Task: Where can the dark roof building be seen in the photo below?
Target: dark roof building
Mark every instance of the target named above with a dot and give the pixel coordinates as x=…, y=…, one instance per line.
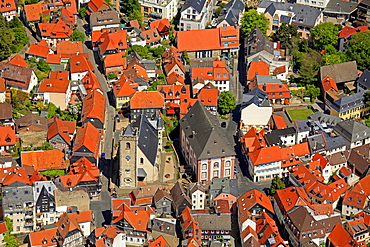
x=354, y=133
x=231, y=13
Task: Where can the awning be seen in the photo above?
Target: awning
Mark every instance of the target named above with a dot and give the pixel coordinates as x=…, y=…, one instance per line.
x=350, y=85
x=141, y=173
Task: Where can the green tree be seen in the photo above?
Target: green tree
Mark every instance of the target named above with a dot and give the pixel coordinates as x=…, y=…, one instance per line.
x=15, y=23
x=6, y=39
x=325, y=34
x=252, y=19
x=276, y=184
x=309, y=66
x=43, y=66
x=132, y=9
x=52, y=110
x=157, y=51
x=155, y=84
x=312, y=92
x=82, y=12
x=226, y=102
x=53, y=173
x=77, y=36
x=9, y=239
x=219, y=9
x=186, y=57
x=287, y=35
x=358, y=49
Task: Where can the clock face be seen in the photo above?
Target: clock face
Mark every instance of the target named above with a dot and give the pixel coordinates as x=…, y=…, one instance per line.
x=128, y=157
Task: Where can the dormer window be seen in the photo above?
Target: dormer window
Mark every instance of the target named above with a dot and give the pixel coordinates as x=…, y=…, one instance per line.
x=120, y=44
x=147, y=37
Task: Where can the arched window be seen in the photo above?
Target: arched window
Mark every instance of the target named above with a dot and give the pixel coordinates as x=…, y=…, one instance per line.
x=128, y=145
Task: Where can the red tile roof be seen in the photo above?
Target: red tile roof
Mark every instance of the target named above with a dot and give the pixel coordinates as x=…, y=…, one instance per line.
x=265, y=155
x=328, y=83
x=82, y=216
x=279, y=121
x=208, y=95
x=175, y=78
x=151, y=35
x=33, y=11
x=158, y=242
x=44, y=237
x=134, y=23
x=65, y=225
x=174, y=92
x=44, y=159
x=250, y=199
x=257, y=68
x=115, y=60
x=2, y=85
x=190, y=226
x=89, y=137
x=280, y=70
x=59, y=85
x=7, y=136
x=339, y=237
x=137, y=218
x=38, y=50
x=59, y=30
x=79, y=64
x=355, y=199
x=91, y=82
x=93, y=106
x=14, y=174
x=349, y=31
x=96, y=5
x=70, y=47
x=124, y=87
x=163, y=26
x=3, y=227
x=207, y=39
x=148, y=99
x=253, y=140
x=72, y=180
x=18, y=60
x=276, y=91
x=61, y=128
x=7, y=6
x=113, y=41
x=363, y=186
x=291, y=197
x=218, y=72
x=54, y=58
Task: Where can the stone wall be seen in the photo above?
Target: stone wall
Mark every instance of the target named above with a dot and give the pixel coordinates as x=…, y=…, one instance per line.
x=78, y=198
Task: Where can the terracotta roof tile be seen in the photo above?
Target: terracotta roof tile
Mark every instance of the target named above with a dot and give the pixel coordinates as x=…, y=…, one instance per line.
x=279, y=121
x=175, y=78
x=7, y=136
x=113, y=41
x=89, y=137
x=14, y=174
x=38, y=50
x=2, y=85
x=33, y=11
x=257, y=68
x=280, y=70
x=70, y=47
x=18, y=60
x=115, y=60
x=93, y=106
x=339, y=237
x=66, y=224
x=151, y=35
x=149, y=99
x=44, y=237
x=329, y=83
x=208, y=95
x=124, y=87
x=49, y=85
x=158, y=242
x=349, y=31
x=59, y=30
x=44, y=159
x=7, y=6
x=79, y=64
x=58, y=127
x=91, y=82
x=82, y=216
x=3, y=227
x=138, y=219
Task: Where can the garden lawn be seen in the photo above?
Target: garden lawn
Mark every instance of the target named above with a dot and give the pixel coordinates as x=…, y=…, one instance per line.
x=299, y=114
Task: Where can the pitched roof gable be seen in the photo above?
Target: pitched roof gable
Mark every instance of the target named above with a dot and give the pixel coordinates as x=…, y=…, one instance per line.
x=93, y=106
x=89, y=137
x=44, y=159
x=148, y=99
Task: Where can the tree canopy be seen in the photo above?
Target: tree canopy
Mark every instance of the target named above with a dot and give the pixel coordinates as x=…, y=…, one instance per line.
x=12, y=37
x=77, y=36
x=276, y=184
x=358, y=49
x=252, y=19
x=226, y=102
x=325, y=34
x=132, y=9
x=309, y=64
x=287, y=35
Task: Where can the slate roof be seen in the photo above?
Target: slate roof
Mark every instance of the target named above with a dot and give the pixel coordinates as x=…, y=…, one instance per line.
x=325, y=118
x=196, y=4
x=223, y=185
x=256, y=96
x=364, y=79
x=303, y=15
x=148, y=139
x=352, y=130
x=98, y=18
x=339, y=6
x=231, y=12
x=178, y=195
x=348, y=102
x=204, y=134
x=273, y=137
x=342, y=72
